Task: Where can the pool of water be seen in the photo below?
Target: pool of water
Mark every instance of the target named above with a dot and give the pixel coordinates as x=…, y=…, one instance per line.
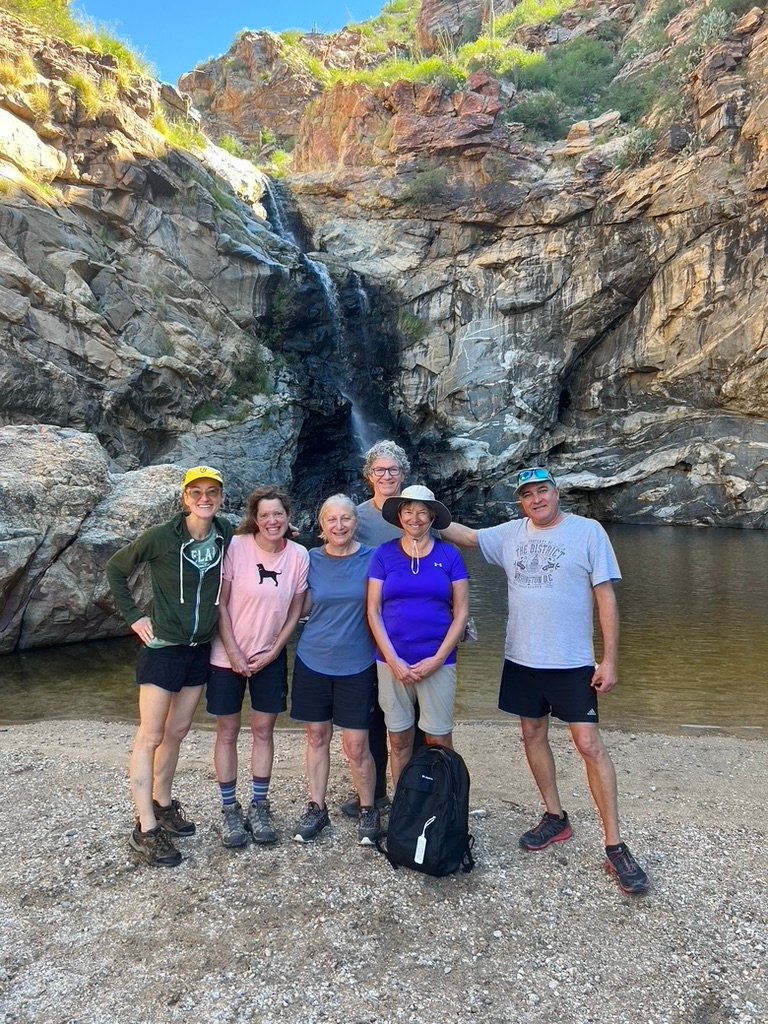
x=693, y=654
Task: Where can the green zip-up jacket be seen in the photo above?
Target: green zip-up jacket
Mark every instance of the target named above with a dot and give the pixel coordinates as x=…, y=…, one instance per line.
x=184, y=601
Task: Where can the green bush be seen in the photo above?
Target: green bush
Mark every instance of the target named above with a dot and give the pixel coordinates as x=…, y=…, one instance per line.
x=231, y=145
x=530, y=12
x=498, y=58
x=426, y=186
x=426, y=72
x=56, y=18
x=637, y=149
x=577, y=71
x=542, y=114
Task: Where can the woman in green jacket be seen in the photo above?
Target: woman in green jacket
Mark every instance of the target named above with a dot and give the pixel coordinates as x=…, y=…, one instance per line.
x=185, y=557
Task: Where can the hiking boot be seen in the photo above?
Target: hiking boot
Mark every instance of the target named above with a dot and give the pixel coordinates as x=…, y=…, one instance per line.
x=550, y=829
x=233, y=832
x=368, y=826
x=172, y=819
x=351, y=809
x=630, y=876
x=258, y=824
x=311, y=823
x=155, y=847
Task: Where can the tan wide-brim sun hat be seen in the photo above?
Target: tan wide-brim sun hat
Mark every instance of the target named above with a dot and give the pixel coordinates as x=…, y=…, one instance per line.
x=416, y=492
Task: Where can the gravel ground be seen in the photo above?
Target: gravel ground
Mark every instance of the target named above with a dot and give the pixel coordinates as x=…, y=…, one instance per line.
x=328, y=932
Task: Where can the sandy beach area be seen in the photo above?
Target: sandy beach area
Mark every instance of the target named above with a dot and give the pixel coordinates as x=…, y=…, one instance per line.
x=328, y=932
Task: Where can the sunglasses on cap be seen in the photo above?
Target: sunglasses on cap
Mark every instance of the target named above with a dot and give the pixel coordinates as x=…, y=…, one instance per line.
x=527, y=476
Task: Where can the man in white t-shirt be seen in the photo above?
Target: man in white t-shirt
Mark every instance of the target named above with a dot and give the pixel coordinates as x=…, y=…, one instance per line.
x=559, y=567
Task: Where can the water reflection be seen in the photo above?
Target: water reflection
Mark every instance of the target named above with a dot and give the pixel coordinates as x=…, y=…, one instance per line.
x=694, y=644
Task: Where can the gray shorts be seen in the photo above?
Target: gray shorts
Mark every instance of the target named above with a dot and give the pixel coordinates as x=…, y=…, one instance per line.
x=435, y=695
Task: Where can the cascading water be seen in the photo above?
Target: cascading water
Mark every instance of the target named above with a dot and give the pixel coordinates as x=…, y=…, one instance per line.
x=348, y=326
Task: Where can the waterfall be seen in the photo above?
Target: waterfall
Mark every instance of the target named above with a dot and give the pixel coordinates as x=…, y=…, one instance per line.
x=348, y=323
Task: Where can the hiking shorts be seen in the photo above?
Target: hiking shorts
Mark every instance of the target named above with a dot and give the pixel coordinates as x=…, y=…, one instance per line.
x=347, y=701
x=268, y=689
x=435, y=695
x=174, y=667
x=536, y=692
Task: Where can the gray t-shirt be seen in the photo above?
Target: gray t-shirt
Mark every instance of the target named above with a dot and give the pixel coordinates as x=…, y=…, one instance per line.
x=550, y=576
x=372, y=528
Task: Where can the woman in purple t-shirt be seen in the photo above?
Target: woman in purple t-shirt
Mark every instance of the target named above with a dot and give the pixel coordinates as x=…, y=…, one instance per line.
x=418, y=603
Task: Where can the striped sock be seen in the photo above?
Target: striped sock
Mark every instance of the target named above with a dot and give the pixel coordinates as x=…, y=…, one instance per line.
x=227, y=790
x=259, y=789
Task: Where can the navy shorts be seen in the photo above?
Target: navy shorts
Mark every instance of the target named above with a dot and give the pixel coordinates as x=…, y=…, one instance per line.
x=535, y=692
x=268, y=689
x=347, y=701
x=173, y=668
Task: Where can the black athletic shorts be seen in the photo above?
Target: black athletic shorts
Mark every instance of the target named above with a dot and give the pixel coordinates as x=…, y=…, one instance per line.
x=173, y=667
x=347, y=701
x=565, y=693
x=268, y=689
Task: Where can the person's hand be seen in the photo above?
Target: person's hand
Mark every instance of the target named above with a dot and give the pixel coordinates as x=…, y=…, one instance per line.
x=143, y=629
x=604, y=678
x=239, y=662
x=258, y=661
x=424, y=668
x=403, y=672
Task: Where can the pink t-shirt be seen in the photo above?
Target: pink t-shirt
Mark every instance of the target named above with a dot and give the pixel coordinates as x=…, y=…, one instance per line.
x=262, y=588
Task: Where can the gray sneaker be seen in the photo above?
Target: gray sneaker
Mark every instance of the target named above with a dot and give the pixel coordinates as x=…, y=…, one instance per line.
x=233, y=832
x=172, y=819
x=368, y=826
x=311, y=823
x=258, y=824
x=155, y=847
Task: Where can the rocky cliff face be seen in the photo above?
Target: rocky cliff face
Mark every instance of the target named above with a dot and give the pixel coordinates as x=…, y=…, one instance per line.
x=610, y=323
x=489, y=300
x=150, y=314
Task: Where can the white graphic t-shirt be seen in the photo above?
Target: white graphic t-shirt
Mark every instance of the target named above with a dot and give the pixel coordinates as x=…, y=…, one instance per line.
x=550, y=576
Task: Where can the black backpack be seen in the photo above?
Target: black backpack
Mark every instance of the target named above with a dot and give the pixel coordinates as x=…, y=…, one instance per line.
x=429, y=820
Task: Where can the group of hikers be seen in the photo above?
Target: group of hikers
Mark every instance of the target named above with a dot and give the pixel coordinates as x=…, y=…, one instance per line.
x=385, y=603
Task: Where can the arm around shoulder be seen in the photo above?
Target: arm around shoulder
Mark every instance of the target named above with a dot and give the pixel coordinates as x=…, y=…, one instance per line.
x=460, y=535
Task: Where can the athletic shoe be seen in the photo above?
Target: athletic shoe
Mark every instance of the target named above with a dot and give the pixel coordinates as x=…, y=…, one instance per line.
x=368, y=827
x=155, y=847
x=232, y=826
x=630, y=876
x=312, y=823
x=550, y=829
x=351, y=809
x=258, y=824
x=172, y=819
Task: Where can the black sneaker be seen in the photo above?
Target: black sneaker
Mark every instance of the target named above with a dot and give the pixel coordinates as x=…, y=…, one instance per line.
x=172, y=819
x=155, y=847
x=351, y=809
x=630, y=876
x=311, y=823
x=550, y=829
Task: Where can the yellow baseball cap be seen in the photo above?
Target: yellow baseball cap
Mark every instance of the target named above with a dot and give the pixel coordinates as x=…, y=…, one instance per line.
x=200, y=472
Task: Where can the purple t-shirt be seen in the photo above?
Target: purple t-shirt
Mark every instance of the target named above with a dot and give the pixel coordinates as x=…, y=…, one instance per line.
x=416, y=607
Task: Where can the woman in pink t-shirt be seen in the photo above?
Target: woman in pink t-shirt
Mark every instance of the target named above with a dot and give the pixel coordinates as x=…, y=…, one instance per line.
x=265, y=577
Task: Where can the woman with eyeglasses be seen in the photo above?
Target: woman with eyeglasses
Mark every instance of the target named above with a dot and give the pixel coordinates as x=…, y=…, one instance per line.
x=265, y=578
x=185, y=557
x=385, y=470
x=418, y=605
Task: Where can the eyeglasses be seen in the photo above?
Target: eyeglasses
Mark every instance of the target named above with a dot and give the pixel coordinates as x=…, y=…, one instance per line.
x=526, y=475
x=381, y=471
